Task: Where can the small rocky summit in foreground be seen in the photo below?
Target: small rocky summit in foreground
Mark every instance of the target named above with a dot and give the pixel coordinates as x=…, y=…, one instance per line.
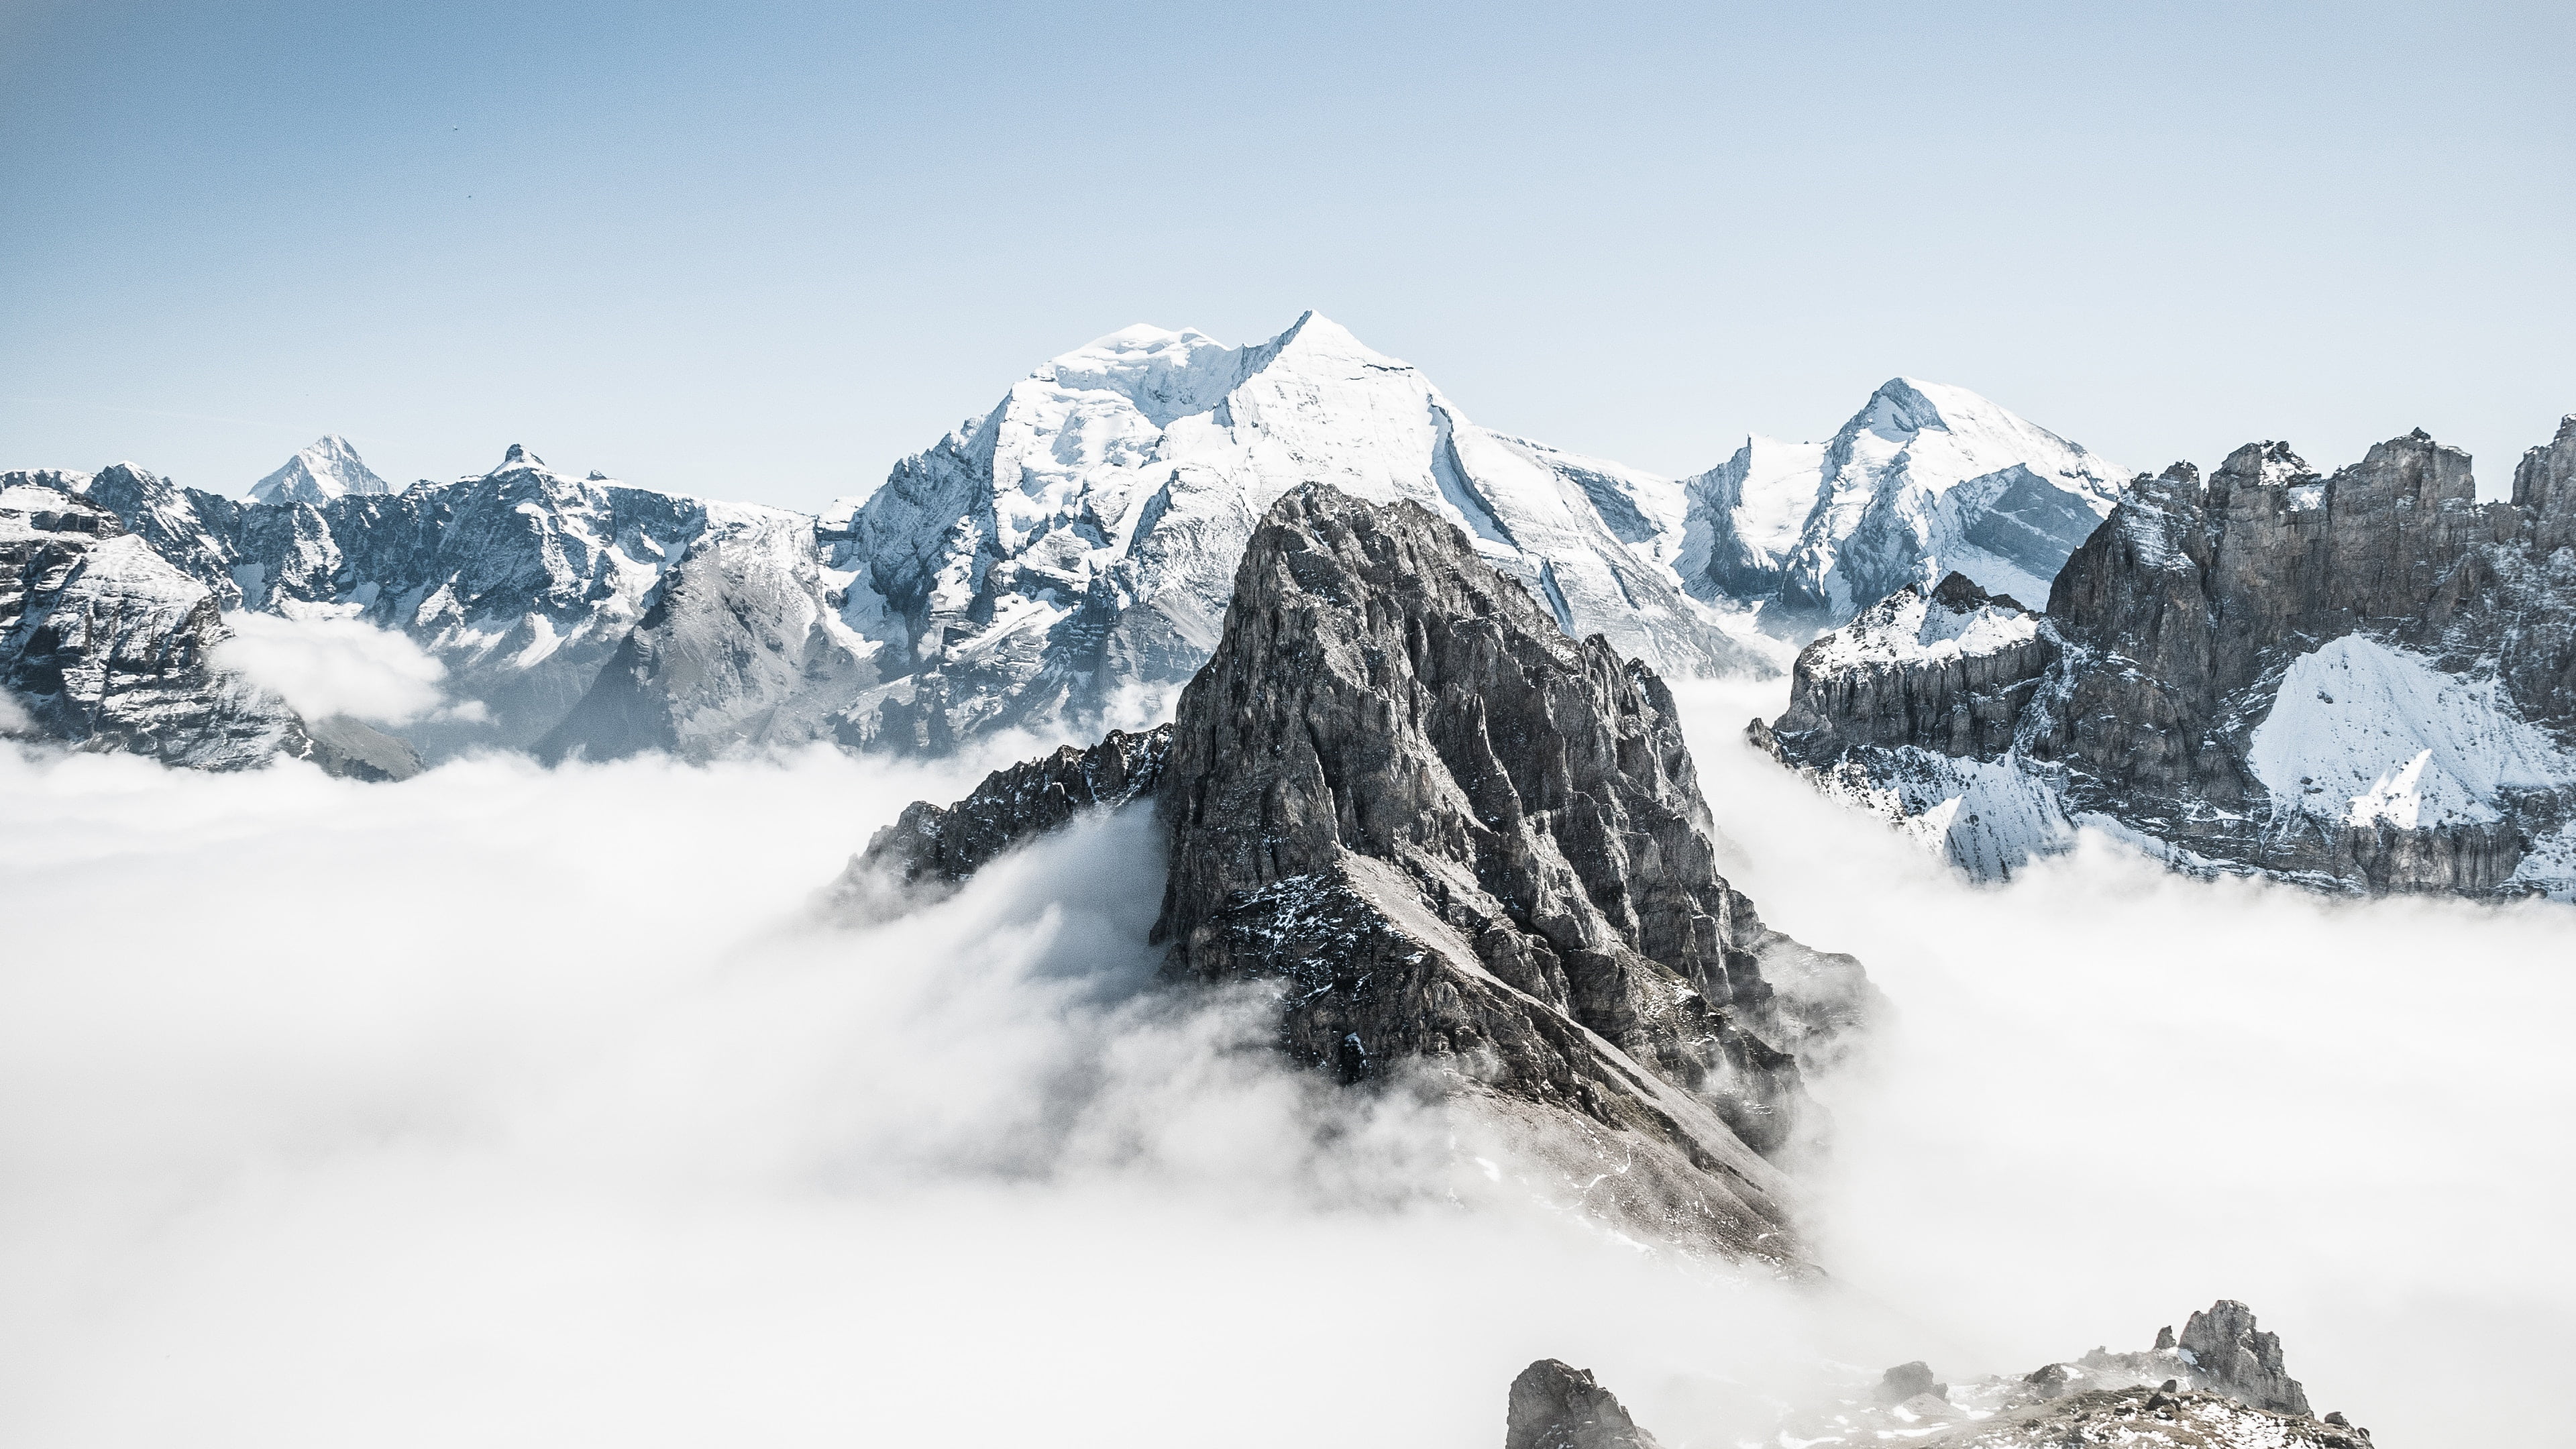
x=1471, y=857
x=1557, y=1406
x=2364, y=682
x=2221, y=1386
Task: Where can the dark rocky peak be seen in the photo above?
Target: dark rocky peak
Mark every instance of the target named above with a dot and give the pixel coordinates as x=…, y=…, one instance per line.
x=2229, y=1356
x=1557, y=1406
x=2545, y=484
x=517, y=458
x=1390, y=724
x=1471, y=856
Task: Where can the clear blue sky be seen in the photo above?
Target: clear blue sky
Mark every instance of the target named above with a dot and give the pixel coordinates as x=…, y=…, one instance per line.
x=761, y=251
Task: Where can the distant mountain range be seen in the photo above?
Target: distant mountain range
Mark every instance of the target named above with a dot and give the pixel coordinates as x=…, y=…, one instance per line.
x=1054, y=565
x=1061, y=564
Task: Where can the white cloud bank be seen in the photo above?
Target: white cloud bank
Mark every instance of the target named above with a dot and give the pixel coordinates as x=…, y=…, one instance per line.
x=506, y=1106
x=2114, y=1093
x=326, y=667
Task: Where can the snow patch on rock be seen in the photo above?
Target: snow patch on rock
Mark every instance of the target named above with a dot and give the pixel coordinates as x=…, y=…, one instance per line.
x=2362, y=734
x=1910, y=627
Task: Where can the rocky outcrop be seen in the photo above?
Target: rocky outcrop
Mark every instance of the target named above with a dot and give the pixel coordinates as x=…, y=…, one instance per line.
x=2229, y=1356
x=106, y=646
x=2230, y=1390
x=1910, y=1381
x=1388, y=717
x=1471, y=857
x=2364, y=682
x=1554, y=1405
x=935, y=845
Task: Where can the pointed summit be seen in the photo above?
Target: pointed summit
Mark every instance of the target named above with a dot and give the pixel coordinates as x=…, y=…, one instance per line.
x=1315, y=335
x=326, y=469
x=517, y=458
x=1925, y=479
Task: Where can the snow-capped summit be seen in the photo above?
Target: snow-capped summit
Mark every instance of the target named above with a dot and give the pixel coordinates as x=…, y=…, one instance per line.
x=1083, y=535
x=328, y=468
x=1925, y=480
x=517, y=458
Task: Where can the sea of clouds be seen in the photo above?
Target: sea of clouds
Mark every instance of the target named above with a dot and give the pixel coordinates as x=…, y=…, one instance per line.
x=514, y=1106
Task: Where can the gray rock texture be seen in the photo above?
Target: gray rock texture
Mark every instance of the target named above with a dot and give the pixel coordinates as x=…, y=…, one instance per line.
x=1556, y=1406
x=932, y=845
x=2230, y=1356
x=1471, y=857
x=2177, y=631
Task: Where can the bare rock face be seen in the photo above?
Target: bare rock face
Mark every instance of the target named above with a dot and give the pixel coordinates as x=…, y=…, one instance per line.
x=1557, y=1406
x=2363, y=682
x=2230, y=1357
x=934, y=845
x=1469, y=847
x=106, y=646
x=1471, y=855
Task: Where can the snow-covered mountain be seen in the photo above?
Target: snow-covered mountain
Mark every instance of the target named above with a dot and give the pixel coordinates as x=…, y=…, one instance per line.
x=526, y=583
x=1924, y=481
x=107, y=644
x=329, y=468
x=1080, y=540
x=1061, y=563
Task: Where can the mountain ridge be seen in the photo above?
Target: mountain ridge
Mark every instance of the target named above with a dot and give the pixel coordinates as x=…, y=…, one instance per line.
x=1057, y=565
x=2363, y=681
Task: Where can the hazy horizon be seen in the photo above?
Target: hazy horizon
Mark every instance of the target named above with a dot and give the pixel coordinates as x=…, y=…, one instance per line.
x=765, y=255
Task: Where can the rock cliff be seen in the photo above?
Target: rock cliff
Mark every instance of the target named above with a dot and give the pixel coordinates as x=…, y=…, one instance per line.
x=1554, y=1405
x=2365, y=681
x=1470, y=856
x=105, y=645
